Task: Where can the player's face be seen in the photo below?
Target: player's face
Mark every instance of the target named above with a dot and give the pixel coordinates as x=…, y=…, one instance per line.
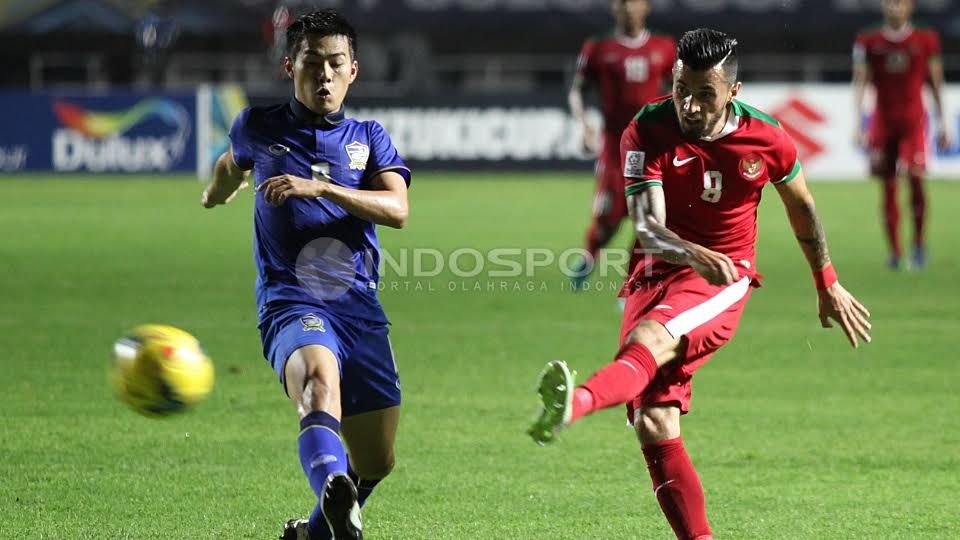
x=322, y=72
x=630, y=14
x=701, y=99
x=897, y=12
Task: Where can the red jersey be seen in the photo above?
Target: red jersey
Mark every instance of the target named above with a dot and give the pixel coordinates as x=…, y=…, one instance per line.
x=711, y=187
x=899, y=65
x=629, y=72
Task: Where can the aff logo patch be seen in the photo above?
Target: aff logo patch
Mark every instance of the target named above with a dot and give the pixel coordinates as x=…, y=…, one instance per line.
x=751, y=167
x=312, y=322
x=633, y=164
x=358, y=154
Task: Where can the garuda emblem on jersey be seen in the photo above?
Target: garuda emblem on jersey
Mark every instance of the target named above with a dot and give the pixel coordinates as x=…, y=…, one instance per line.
x=751, y=167
x=358, y=154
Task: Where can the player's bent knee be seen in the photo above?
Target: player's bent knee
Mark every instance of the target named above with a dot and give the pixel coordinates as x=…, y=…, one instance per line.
x=313, y=380
x=377, y=470
x=655, y=337
x=319, y=389
x=373, y=467
x=313, y=361
x=657, y=423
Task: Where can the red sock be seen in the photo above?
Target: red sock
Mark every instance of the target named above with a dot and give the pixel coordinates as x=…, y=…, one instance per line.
x=597, y=237
x=891, y=214
x=918, y=201
x=678, y=489
x=617, y=382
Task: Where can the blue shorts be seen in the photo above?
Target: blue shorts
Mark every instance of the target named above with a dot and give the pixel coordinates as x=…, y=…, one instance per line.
x=368, y=373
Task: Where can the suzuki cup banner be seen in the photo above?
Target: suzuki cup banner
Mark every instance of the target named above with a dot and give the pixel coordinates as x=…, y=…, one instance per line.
x=113, y=133
x=819, y=118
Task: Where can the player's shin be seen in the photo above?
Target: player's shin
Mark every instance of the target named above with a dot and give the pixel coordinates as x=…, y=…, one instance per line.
x=616, y=383
x=918, y=203
x=322, y=455
x=678, y=489
x=891, y=214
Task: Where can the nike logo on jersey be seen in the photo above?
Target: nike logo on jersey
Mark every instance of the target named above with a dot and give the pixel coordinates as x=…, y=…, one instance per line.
x=278, y=149
x=678, y=162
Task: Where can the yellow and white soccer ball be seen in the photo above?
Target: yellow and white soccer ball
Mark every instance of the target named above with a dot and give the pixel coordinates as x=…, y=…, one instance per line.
x=160, y=370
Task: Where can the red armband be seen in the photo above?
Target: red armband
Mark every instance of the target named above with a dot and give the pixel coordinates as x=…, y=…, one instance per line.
x=825, y=277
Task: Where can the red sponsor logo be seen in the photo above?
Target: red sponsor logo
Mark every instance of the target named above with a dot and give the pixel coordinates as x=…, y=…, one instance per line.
x=798, y=119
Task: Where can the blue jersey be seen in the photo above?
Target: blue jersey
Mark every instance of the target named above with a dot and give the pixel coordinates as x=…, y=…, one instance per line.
x=312, y=250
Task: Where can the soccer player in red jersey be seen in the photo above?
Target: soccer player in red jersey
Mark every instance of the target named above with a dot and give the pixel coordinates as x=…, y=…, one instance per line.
x=897, y=58
x=694, y=165
x=629, y=67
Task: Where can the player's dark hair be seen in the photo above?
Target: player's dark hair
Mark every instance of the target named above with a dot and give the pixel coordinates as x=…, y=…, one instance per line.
x=704, y=48
x=326, y=22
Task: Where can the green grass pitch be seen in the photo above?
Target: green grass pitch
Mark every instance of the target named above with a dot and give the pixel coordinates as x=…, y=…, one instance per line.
x=795, y=435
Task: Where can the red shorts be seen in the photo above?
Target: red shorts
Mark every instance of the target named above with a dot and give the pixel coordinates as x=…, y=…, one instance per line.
x=893, y=143
x=609, y=200
x=705, y=315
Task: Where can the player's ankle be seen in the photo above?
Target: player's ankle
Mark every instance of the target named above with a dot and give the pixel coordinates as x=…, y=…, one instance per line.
x=582, y=403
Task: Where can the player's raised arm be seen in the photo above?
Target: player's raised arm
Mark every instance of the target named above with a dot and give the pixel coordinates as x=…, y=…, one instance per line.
x=834, y=301
x=575, y=98
x=228, y=180
x=936, y=86
x=861, y=76
x=578, y=110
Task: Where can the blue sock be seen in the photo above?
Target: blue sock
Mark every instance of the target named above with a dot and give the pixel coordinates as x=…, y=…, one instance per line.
x=365, y=486
x=321, y=455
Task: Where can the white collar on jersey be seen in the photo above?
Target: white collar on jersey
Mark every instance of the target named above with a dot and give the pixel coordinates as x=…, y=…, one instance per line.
x=633, y=42
x=733, y=122
x=898, y=35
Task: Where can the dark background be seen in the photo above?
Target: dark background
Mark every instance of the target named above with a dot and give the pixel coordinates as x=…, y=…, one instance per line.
x=417, y=47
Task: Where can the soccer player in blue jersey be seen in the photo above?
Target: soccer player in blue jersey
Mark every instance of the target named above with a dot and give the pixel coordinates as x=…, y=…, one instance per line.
x=323, y=181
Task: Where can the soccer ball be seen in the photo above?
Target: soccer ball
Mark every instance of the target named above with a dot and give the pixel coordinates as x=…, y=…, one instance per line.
x=160, y=370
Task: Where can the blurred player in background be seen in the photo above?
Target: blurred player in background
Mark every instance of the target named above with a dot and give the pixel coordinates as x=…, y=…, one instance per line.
x=273, y=29
x=323, y=181
x=155, y=35
x=694, y=166
x=629, y=67
x=896, y=59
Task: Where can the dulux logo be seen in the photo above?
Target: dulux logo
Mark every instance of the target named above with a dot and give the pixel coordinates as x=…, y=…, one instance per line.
x=96, y=141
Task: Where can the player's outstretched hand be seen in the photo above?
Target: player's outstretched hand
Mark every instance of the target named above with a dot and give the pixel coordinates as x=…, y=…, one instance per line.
x=839, y=305
x=591, y=141
x=859, y=138
x=277, y=189
x=943, y=139
x=716, y=268
x=212, y=197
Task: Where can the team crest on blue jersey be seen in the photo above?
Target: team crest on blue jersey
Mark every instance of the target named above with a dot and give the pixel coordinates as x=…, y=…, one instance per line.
x=358, y=153
x=312, y=322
